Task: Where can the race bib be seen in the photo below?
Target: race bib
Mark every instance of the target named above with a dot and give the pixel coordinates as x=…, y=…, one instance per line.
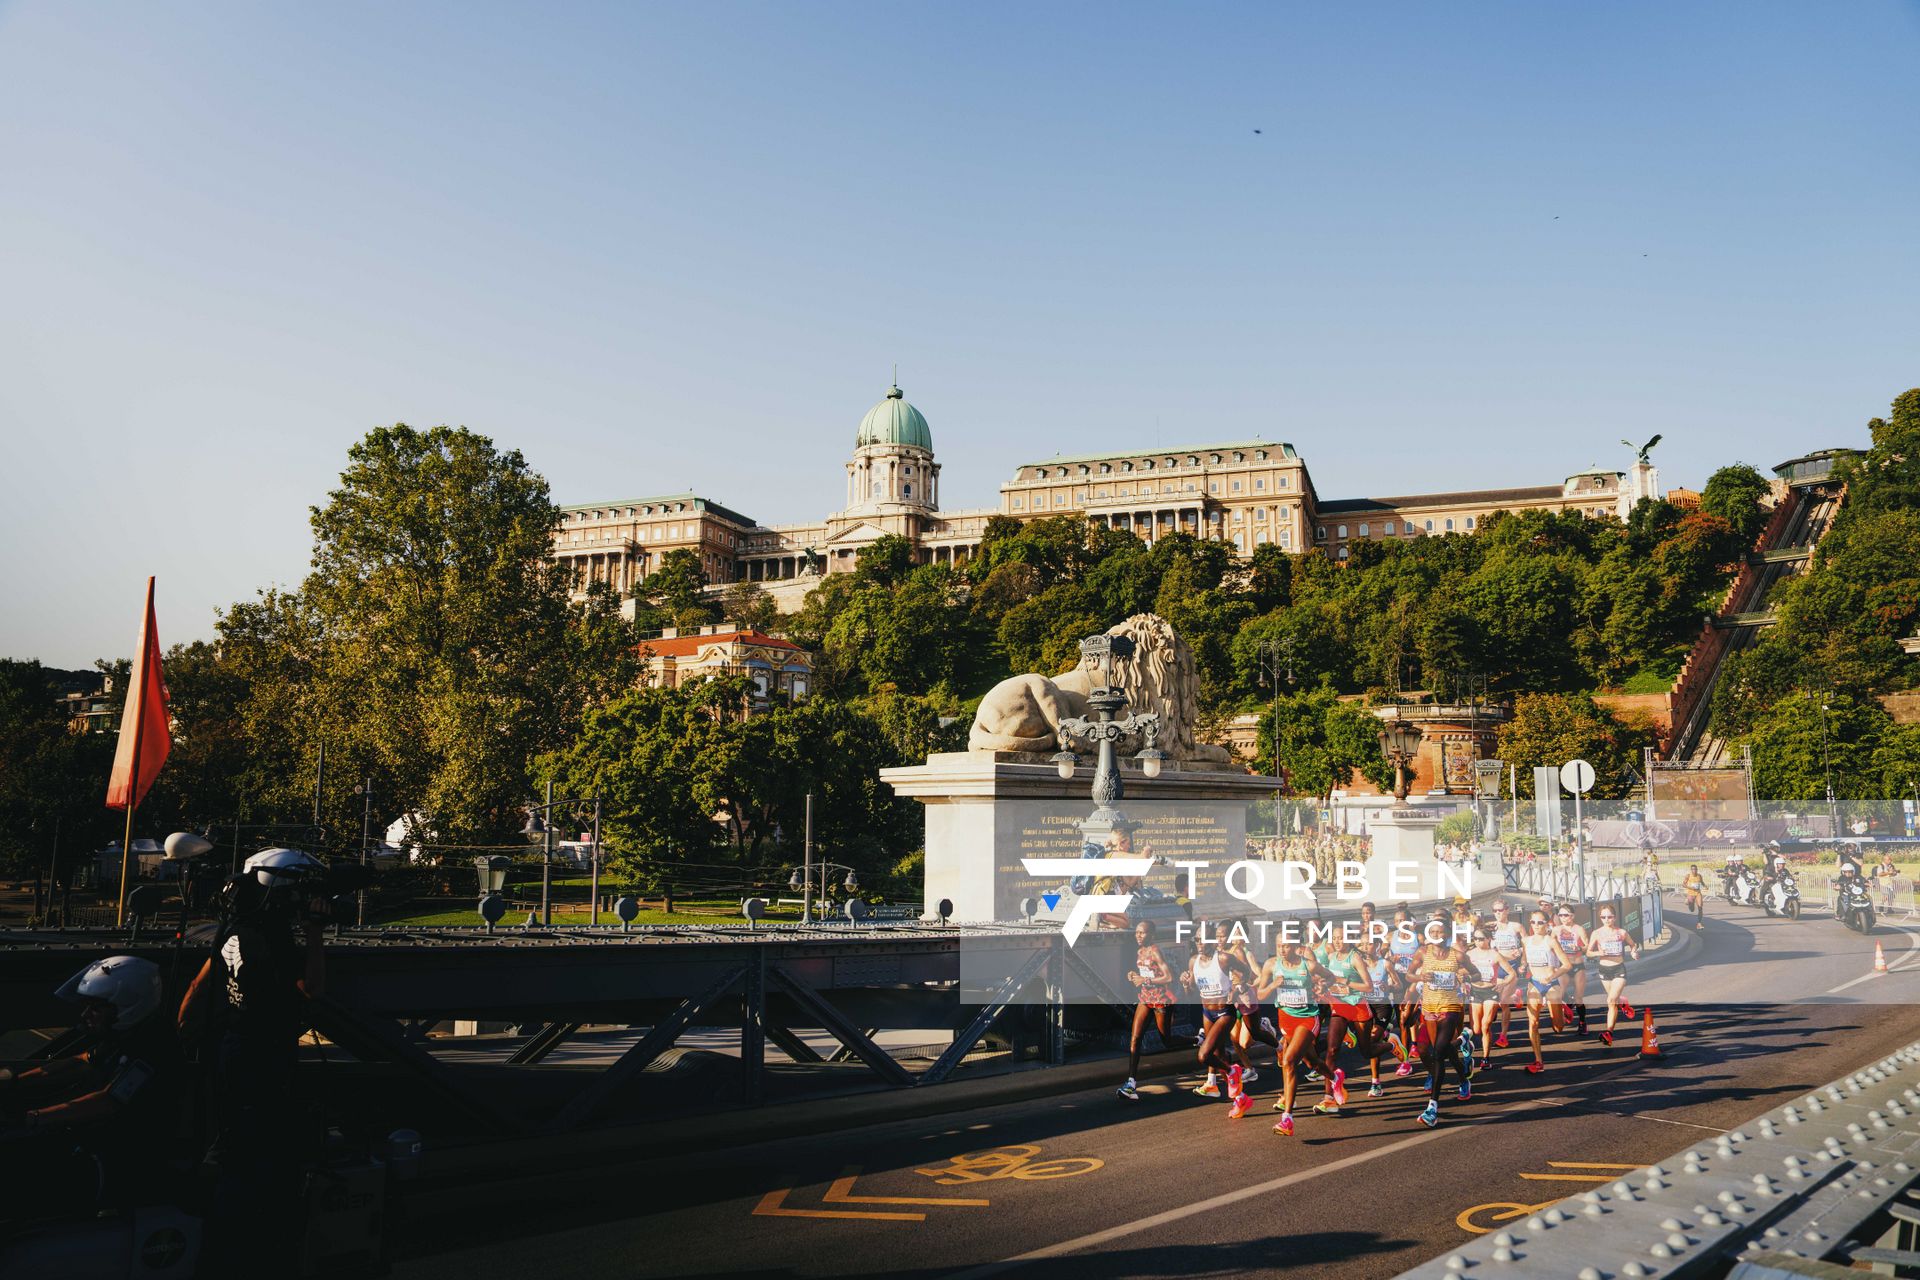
x=1292, y=997
x=1442, y=981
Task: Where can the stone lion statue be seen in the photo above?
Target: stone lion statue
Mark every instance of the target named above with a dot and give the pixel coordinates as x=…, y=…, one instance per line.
x=1023, y=713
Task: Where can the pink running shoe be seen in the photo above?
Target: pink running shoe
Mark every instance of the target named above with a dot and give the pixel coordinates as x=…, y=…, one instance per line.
x=1500, y=1041
x=1285, y=1127
x=1233, y=1081
x=1337, y=1089
x=1241, y=1105
x=1405, y=1069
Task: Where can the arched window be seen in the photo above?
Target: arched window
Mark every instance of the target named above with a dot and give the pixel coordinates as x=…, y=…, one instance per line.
x=906, y=490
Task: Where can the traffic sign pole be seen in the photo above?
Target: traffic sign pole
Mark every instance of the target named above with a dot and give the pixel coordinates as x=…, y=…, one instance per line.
x=1577, y=777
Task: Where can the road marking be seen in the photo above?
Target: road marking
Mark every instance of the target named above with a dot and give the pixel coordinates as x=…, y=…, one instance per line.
x=1008, y=1162
x=771, y=1206
x=1569, y=1177
x=1587, y=1164
x=1685, y=1124
x=1913, y=942
x=841, y=1192
x=1464, y=1219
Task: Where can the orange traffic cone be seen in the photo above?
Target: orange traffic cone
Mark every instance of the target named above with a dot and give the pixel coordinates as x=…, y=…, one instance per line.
x=1649, y=1038
x=1879, y=958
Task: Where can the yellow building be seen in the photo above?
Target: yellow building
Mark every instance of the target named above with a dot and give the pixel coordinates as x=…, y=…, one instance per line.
x=1249, y=493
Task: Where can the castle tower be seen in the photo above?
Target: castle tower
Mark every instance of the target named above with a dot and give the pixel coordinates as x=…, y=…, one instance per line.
x=892, y=472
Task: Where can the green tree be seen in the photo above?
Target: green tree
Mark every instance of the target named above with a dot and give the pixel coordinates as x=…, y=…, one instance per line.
x=1810, y=736
x=1553, y=728
x=52, y=782
x=1734, y=494
x=434, y=644
x=1887, y=477
x=677, y=590
x=886, y=560
x=749, y=606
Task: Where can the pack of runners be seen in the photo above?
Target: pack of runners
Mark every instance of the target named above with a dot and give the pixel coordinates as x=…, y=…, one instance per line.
x=1436, y=997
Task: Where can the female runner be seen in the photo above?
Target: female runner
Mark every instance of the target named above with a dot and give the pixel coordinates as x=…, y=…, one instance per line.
x=1444, y=972
x=1153, y=977
x=1572, y=937
x=1546, y=965
x=1506, y=935
x=1287, y=979
x=1207, y=975
x=1611, y=946
x=1347, y=1010
x=1402, y=945
x=1491, y=977
x=1696, y=886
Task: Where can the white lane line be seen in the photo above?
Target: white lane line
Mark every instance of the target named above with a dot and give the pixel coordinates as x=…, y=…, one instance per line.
x=1906, y=959
x=1161, y=1219
x=1685, y=1124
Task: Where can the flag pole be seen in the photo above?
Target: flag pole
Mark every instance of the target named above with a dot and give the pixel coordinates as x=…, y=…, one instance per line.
x=133, y=794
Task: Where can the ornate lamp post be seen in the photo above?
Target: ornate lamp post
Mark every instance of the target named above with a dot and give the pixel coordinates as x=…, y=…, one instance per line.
x=1275, y=658
x=1400, y=743
x=1107, y=700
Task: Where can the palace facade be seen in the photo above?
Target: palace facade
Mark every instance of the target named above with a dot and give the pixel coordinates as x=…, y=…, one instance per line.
x=1250, y=493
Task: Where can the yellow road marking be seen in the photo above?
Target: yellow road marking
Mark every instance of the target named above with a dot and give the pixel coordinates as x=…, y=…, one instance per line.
x=1587, y=1164
x=1567, y=1177
x=771, y=1206
x=1465, y=1219
x=841, y=1192
x=1008, y=1162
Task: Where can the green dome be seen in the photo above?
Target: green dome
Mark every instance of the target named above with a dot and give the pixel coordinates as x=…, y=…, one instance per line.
x=894, y=421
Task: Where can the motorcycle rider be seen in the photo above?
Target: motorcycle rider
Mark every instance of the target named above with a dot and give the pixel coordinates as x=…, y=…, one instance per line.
x=246, y=1011
x=92, y=1119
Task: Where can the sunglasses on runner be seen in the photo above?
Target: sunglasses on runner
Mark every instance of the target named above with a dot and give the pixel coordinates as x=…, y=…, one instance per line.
x=1538, y=920
x=1566, y=915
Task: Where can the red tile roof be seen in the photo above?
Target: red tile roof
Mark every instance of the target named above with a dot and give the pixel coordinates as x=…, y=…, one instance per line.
x=687, y=646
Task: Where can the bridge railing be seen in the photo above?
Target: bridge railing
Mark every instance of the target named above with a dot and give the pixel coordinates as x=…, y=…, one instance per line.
x=1818, y=1176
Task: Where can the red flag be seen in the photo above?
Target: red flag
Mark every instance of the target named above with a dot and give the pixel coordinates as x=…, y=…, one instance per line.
x=145, y=737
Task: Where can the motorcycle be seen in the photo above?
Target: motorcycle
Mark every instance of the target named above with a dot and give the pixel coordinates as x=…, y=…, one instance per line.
x=1782, y=897
x=1743, y=889
x=1853, y=904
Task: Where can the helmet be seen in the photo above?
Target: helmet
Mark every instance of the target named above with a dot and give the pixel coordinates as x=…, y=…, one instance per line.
x=131, y=985
x=276, y=867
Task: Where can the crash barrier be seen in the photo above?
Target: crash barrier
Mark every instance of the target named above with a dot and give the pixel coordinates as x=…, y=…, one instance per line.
x=1569, y=884
x=1814, y=1179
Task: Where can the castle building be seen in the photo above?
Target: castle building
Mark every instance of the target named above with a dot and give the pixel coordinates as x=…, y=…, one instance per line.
x=1249, y=493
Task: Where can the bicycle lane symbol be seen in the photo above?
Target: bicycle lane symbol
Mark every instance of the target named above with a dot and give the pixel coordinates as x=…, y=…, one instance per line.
x=1496, y=1212
x=1014, y=1162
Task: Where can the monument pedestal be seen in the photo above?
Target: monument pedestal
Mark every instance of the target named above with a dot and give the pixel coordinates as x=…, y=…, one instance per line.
x=1403, y=839
x=987, y=811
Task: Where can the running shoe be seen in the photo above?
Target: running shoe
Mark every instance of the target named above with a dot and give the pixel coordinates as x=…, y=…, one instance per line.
x=1285, y=1127
x=1208, y=1090
x=1248, y=1076
x=1606, y=1038
x=1337, y=1090
x=1375, y=1091
x=1266, y=1025
x=1352, y=1042
x=1129, y=1091
x=1626, y=1009
x=1326, y=1107
x=1405, y=1069
x=1280, y=1104
x=1536, y=1067
x=1314, y=1077
x=1465, y=1091
x=1431, y=1116
x=1394, y=1043
x=1241, y=1105
x=1233, y=1081
x=1500, y=1041
x=1427, y=1084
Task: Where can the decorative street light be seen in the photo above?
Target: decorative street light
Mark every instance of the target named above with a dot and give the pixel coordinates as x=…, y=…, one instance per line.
x=1400, y=743
x=540, y=823
x=1826, y=764
x=1275, y=657
x=1107, y=700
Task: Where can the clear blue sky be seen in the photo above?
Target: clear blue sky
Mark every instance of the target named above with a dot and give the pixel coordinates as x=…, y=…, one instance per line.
x=665, y=248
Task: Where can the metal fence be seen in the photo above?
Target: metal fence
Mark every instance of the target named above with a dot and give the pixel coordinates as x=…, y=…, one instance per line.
x=1569, y=883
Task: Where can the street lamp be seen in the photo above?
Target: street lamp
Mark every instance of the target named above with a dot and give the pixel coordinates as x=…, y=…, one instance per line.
x=1400, y=743
x=1107, y=700
x=1826, y=764
x=1274, y=657
x=540, y=823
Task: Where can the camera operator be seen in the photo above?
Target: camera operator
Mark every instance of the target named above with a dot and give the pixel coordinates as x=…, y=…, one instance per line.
x=90, y=1120
x=246, y=1012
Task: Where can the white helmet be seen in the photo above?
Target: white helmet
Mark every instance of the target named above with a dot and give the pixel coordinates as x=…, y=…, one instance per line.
x=273, y=867
x=131, y=985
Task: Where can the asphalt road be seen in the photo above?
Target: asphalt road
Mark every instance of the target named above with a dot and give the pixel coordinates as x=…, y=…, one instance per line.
x=1088, y=1185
